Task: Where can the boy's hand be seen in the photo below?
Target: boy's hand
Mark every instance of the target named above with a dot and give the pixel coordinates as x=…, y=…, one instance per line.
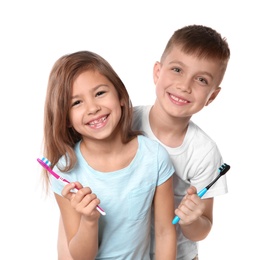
x=83, y=200
x=190, y=208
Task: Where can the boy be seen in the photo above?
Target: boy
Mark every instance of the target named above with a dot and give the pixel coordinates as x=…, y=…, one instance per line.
x=187, y=78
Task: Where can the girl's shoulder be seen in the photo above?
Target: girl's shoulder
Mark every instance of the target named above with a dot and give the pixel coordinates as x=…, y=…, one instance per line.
x=143, y=139
x=148, y=145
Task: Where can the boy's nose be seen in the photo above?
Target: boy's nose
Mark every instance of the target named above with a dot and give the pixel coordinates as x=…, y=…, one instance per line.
x=184, y=85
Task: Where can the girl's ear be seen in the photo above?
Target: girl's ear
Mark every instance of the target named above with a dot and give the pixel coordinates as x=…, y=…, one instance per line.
x=156, y=71
x=213, y=96
x=122, y=103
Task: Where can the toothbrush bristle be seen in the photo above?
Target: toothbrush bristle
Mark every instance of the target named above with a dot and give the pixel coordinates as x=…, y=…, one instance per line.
x=224, y=169
x=46, y=161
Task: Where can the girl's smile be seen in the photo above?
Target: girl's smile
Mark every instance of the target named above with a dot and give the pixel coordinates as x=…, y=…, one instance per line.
x=98, y=123
x=96, y=109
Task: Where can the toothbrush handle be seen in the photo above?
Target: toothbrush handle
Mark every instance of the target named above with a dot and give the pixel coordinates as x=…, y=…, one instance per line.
x=175, y=220
x=200, y=194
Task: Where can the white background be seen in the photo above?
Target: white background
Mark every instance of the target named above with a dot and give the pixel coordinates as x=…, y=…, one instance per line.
x=131, y=35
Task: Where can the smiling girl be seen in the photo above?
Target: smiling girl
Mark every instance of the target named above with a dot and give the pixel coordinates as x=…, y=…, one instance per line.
x=89, y=140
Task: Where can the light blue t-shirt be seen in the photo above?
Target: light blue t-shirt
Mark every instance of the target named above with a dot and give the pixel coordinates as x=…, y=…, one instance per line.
x=126, y=196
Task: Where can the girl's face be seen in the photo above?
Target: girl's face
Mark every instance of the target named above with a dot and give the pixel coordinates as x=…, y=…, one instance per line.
x=95, y=106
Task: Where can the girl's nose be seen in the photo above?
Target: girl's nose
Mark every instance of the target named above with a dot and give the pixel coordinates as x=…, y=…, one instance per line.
x=93, y=109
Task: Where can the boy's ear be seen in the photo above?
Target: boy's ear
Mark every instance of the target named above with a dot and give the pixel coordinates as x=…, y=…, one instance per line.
x=156, y=71
x=213, y=96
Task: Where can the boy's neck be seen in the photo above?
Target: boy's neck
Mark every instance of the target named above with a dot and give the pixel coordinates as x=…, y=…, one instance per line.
x=169, y=130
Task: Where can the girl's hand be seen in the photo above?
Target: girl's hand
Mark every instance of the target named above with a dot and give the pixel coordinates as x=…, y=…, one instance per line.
x=83, y=200
x=190, y=208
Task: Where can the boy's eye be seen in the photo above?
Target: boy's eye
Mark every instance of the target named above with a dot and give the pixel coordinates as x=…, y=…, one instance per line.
x=177, y=69
x=203, y=80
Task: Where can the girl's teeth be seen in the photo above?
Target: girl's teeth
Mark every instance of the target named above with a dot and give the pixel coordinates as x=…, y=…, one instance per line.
x=98, y=121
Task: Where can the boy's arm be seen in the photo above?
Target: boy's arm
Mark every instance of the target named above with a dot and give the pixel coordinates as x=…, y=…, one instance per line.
x=195, y=215
x=165, y=231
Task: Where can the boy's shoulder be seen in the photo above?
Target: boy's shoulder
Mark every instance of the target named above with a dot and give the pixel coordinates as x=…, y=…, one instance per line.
x=198, y=135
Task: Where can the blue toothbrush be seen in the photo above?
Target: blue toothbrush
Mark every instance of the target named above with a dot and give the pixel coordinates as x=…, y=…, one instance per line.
x=223, y=169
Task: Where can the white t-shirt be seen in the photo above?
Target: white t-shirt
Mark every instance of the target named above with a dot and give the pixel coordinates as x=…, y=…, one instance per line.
x=196, y=162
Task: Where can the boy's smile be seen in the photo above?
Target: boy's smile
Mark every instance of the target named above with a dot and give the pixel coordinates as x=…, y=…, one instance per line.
x=185, y=83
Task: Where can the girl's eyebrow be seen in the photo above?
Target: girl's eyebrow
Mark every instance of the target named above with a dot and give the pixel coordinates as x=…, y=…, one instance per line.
x=93, y=89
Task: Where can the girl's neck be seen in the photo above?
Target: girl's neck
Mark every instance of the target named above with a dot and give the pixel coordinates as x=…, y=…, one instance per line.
x=108, y=156
x=101, y=147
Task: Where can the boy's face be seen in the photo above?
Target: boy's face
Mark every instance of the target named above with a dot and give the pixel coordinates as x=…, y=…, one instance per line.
x=185, y=84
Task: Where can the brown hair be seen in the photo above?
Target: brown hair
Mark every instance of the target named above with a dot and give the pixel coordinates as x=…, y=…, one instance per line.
x=201, y=41
x=59, y=138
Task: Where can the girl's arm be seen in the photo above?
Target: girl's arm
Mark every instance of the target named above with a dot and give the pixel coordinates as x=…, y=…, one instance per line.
x=165, y=231
x=80, y=219
x=62, y=245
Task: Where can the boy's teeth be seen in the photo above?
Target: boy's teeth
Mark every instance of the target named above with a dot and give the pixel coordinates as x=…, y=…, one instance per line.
x=178, y=99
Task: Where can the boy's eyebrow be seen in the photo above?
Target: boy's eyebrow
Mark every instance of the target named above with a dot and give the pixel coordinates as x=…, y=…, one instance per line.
x=183, y=65
x=207, y=73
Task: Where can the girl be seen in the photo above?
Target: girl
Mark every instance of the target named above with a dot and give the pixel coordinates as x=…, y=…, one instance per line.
x=88, y=137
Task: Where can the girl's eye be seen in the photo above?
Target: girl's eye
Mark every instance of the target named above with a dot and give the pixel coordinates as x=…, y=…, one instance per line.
x=75, y=103
x=100, y=93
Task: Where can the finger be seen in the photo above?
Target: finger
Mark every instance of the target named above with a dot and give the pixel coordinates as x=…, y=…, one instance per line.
x=88, y=204
x=78, y=185
x=87, y=199
x=66, y=192
x=191, y=190
x=78, y=196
